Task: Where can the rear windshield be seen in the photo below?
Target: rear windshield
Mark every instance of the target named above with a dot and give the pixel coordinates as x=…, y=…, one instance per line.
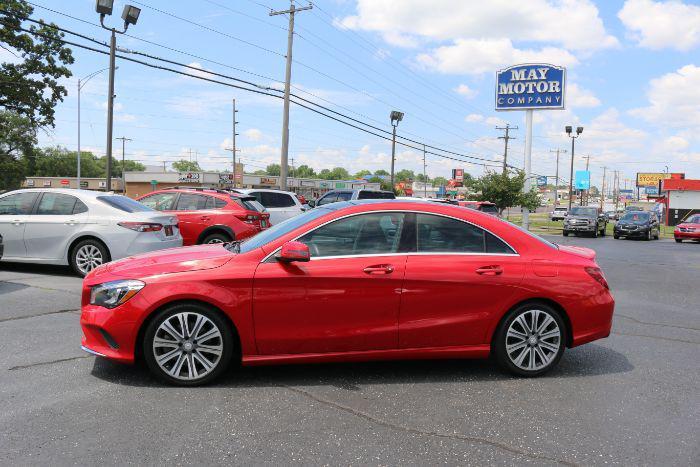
x=249, y=204
x=489, y=208
x=365, y=194
x=123, y=203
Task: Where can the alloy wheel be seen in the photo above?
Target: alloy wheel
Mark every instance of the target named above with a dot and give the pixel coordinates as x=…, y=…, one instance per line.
x=215, y=240
x=87, y=258
x=533, y=340
x=188, y=346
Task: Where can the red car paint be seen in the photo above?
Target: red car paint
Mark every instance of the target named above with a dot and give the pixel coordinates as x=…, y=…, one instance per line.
x=689, y=229
x=371, y=307
x=218, y=211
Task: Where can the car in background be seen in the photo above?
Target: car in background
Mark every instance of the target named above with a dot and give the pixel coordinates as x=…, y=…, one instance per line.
x=80, y=228
x=483, y=206
x=430, y=200
x=611, y=215
x=637, y=224
x=335, y=196
x=281, y=205
x=585, y=219
x=689, y=229
x=209, y=215
x=559, y=213
x=351, y=281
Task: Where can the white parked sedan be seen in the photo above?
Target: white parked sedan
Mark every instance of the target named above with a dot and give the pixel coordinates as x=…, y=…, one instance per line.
x=280, y=204
x=79, y=227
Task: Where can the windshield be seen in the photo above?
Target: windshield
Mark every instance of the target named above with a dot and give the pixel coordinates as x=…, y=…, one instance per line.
x=489, y=208
x=693, y=219
x=638, y=217
x=123, y=203
x=582, y=211
x=283, y=228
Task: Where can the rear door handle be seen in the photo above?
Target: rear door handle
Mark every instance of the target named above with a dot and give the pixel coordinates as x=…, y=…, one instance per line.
x=18, y=222
x=379, y=269
x=493, y=270
x=205, y=218
x=70, y=222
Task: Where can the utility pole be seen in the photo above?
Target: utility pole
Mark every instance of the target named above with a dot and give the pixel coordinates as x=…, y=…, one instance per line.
x=556, y=176
x=602, y=196
x=506, y=137
x=110, y=106
x=292, y=167
x=124, y=140
x=234, y=149
x=287, y=79
x=588, y=158
x=425, y=178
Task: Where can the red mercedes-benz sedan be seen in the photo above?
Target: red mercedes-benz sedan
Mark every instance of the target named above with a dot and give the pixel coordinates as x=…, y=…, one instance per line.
x=350, y=281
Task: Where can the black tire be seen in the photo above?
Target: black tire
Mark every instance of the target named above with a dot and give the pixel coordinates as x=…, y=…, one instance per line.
x=616, y=236
x=227, y=342
x=498, y=345
x=77, y=258
x=678, y=240
x=648, y=237
x=566, y=234
x=595, y=232
x=602, y=231
x=217, y=237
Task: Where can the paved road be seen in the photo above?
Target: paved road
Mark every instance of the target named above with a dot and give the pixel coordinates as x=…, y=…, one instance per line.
x=630, y=399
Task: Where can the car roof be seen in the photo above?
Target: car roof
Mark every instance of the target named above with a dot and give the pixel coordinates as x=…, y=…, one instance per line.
x=264, y=190
x=65, y=191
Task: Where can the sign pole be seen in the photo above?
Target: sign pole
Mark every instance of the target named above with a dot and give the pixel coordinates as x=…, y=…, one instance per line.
x=528, y=158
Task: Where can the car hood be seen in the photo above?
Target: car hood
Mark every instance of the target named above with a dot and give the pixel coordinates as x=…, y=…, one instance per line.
x=686, y=225
x=169, y=261
x=583, y=252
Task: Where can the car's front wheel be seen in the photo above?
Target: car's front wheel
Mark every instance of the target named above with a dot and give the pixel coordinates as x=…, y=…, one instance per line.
x=678, y=240
x=188, y=345
x=531, y=340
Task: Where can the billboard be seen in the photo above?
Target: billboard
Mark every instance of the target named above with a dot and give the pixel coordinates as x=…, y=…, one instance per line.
x=582, y=180
x=530, y=86
x=652, y=178
x=458, y=174
x=542, y=180
x=189, y=177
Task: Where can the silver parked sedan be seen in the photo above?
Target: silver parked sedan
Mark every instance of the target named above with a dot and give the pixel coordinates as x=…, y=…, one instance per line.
x=79, y=227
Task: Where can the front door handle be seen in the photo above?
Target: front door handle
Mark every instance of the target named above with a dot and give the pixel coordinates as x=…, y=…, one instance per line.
x=70, y=222
x=18, y=222
x=493, y=270
x=379, y=269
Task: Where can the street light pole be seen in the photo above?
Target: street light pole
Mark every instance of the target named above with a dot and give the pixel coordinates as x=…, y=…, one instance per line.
x=573, y=137
x=395, y=117
x=124, y=140
x=81, y=84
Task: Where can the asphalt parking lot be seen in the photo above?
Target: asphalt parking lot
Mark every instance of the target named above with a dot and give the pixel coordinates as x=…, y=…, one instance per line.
x=632, y=398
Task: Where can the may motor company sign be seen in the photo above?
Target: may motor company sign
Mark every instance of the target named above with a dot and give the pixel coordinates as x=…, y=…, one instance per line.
x=530, y=86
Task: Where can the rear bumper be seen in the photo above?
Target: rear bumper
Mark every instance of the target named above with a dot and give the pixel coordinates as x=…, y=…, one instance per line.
x=592, y=319
x=146, y=245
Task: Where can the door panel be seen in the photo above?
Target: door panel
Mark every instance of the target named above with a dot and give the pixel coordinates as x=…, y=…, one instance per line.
x=52, y=226
x=449, y=300
x=14, y=212
x=328, y=305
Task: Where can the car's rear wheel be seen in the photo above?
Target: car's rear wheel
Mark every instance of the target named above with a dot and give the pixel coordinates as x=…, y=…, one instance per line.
x=595, y=232
x=188, y=345
x=678, y=240
x=531, y=340
x=648, y=237
x=218, y=237
x=566, y=234
x=615, y=236
x=87, y=255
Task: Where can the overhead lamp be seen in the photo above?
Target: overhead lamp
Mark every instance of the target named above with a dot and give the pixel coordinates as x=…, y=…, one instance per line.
x=568, y=129
x=579, y=130
x=130, y=15
x=396, y=116
x=104, y=7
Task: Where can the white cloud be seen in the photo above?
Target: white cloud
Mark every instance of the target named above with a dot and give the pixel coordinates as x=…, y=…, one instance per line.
x=471, y=118
x=674, y=99
x=659, y=25
x=198, y=71
x=253, y=134
x=495, y=121
x=466, y=91
x=477, y=56
x=575, y=24
x=580, y=97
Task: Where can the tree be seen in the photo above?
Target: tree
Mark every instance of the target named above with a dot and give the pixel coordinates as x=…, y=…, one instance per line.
x=259, y=172
x=505, y=190
x=184, y=165
x=304, y=171
x=381, y=172
x=361, y=174
x=60, y=162
x=404, y=175
x=383, y=184
x=41, y=63
x=439, y=181
x=421, y=178
x=273, y=169
x=339, y=173
x=17, y=139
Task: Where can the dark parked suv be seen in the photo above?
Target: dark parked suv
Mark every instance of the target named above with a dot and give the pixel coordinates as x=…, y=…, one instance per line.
x=334, y=196
x=585, y=219
x=637, y=224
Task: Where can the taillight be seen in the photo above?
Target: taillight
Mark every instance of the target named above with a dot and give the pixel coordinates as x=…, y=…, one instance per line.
x=142, y=226
x=597, y=274
x=248, y=218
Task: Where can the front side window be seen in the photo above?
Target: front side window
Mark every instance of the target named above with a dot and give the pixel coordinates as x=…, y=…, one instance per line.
x=160, y=201
x=363, y=234
x=18, y=204
x=192, y=202
x=56, y=204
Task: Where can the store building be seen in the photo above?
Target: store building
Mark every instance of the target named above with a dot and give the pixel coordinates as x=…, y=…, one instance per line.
x=682, y=199
x=96, y=184
x=140, y=183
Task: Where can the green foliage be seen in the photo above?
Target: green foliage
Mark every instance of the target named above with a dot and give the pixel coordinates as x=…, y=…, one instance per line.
x=273, y=169
x=383, y=184
x=41, y=63
x=304, y=171
x=259, y=172
x=404, y=175
x=381, y=172
x=362, y=173
x=60, y=162
x=184, y=165
x=505, y=190
x=337, y=173
x=17, y=139
x=439, y=181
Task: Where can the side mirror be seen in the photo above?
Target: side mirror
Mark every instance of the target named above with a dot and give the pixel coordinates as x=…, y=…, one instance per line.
x=294, y=251
x=311, y=203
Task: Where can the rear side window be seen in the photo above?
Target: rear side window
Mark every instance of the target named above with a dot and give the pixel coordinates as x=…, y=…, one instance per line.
x=19, y=203
x=56, y=204
x=490, y=208
x=249, y=204
x=123, y=203
x=365, y=194
x=160, y=201
x=275, y=200
x=344, y=196
x=79, y=207
x=496, y=245
x=437, y=234
x=219, y=203
x=328, y=198
x=192, y=202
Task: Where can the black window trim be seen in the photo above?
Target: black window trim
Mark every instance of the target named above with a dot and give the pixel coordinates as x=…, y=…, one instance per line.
x=411, y=253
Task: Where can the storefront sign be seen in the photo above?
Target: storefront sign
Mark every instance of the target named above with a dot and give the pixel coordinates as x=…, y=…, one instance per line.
x=268, y=181
x=307, y=183
x=583, y=180
x=458, y=174
x=30, y=182
x=226, y=178
x=340, y=185
x=189, y=177
x=47, y=182
x=530, y=86
x=542, y=180
x=65, y=182
x=83, y=184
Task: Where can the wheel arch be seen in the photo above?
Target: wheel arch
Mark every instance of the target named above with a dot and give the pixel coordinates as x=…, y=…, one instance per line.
x=138, y=345
x=539, y=300
x=82, y=237
x=218, y=228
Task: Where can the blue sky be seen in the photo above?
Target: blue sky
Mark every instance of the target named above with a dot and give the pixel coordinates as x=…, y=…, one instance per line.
x=633, y=81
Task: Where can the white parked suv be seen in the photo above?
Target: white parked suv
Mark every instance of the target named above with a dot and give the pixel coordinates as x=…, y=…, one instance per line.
x=79, y=227
x=559, y=213
x=281, y=205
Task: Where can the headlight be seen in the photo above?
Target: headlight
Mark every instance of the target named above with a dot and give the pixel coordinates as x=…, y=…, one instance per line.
x=113, y=294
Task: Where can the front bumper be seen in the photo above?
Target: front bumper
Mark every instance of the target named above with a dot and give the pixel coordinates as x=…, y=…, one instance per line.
x=639, y=233
x=678, y=235
x=579, y=227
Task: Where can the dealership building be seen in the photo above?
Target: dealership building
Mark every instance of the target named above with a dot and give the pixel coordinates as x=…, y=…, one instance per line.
x=682, y=199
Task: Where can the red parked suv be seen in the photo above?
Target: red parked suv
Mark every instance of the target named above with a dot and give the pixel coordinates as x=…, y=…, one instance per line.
x=208, y=215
